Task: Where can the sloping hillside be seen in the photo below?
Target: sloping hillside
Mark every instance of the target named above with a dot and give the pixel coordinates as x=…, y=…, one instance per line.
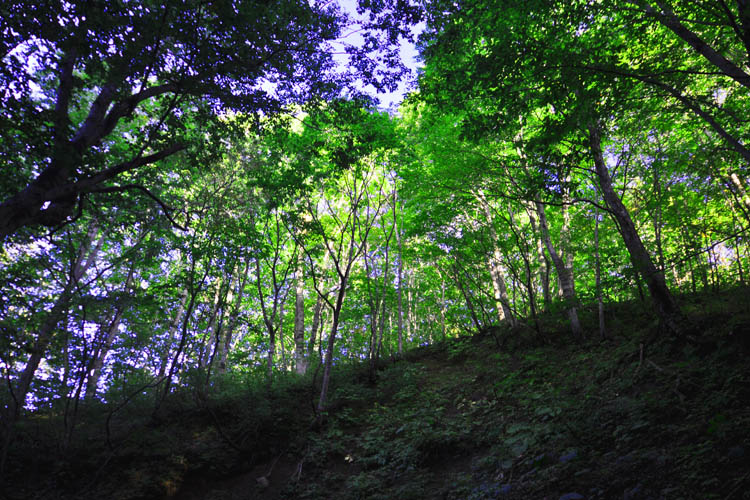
x=463, y=419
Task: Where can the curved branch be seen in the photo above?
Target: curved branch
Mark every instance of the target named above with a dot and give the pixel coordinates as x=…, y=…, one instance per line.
x=126, y=187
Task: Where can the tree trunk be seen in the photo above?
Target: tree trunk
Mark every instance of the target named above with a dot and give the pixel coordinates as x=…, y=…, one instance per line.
x=300, y=362
x=170, y=334
x=336, y=311
x=467, y=298
x=543, y=262
x=442, y=305
x=84, y=260
x=738, y=259
x=281, y=336
x=494, y=262
x=316, y=321
x=106, y=341
x=58, y=313
x=409, y=310
x=598, y=271
x=213, y=327
x=220, y=360
x=328, y=362
x=400, y=290
x=667, y=309
x=564, y=272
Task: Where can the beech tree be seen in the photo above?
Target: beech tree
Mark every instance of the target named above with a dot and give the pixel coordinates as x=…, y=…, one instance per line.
x=77, y=76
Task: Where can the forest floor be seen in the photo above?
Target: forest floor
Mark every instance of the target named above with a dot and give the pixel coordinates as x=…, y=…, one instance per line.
x=540, y=418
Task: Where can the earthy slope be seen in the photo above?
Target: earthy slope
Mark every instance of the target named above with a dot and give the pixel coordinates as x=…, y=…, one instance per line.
x=463, y=419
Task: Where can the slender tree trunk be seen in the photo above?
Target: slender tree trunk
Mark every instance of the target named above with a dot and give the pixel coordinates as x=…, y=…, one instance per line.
x=525, y=248
x=271, y=329
x=316, y=321
x=740, y=193
x=281, y=336
x=300, y=362
x=502, y=305
x=59, y=312
x=336, y=312
x=400, y=290
x=467, y=298
x=666, y=307
x=442, y=305
x=226, y=342
x=373, y=301
x=598, y=270
x=656, y=217
x=543, y=262
x=328, y=362
x=213, y=323
x=564, y=273
x=409, y=310
x=84, y=260
x=176, y=321
x=106, y=341
x=738, y=259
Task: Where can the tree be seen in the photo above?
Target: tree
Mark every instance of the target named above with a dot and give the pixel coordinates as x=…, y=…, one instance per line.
x=80, y=77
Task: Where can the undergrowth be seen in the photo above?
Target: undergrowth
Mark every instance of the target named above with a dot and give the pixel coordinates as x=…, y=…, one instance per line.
x=543, y=417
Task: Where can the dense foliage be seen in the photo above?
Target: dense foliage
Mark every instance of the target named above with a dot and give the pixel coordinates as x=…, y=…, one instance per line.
x=198, y=195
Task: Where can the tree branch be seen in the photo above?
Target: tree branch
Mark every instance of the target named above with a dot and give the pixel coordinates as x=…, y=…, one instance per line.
x=126, y=187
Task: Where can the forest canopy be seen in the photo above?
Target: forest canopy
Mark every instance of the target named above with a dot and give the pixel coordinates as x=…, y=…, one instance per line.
x=194, y=191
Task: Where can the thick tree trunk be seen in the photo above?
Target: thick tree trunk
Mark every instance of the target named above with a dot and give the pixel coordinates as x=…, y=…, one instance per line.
x=667, y=309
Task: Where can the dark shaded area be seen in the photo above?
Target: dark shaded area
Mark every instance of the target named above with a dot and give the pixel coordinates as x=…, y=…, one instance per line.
x=540, y=418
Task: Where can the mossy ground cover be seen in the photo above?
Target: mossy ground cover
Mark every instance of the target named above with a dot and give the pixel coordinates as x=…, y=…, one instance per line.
x=542, y=417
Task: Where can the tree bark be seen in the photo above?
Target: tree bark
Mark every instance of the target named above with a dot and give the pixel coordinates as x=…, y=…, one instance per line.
x=170, y=334
x=598, y=271
x=400, y=281
x=668, y=18
x=300, y=362
x=543, y=262
x=84, y=260
x=564, y=272
x=494, y=262
x=668, y=311
x=107, y=339
x=467, y=298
